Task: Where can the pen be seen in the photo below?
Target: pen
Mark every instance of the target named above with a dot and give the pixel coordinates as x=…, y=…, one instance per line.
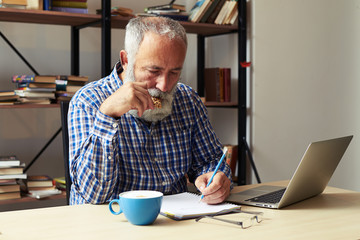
x=216, y=169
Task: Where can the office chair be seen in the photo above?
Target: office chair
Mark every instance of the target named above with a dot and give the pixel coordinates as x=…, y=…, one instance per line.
x=64, y=106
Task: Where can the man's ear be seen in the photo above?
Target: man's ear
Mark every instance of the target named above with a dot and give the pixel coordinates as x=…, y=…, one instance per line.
x=123, y=58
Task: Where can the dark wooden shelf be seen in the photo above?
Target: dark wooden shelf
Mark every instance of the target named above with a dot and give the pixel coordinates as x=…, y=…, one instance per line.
x=221, y=104
x=30, y=106
x=46, y=17
x=78, y=19
x=30, y=203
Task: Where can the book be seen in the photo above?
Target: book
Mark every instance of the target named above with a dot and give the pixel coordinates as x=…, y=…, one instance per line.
x=195, y=9
x=9, y=98
x=70, y=10
x=34, y=94
x=220, y=17
x=212, y=84
x=68, y=86
x=9, y=161
x=4, y=5
x=4, y=182
x=167, y=6
x=10, y=195
x=15, y=2
x=36, y=85
x=60, y=183
x=9, y=188
x=163, y=11
x=186, y=206
x=69, y=4
x=200, y=13
x=39, y=181
x=73, y=0
x=14, y=176
x=7, y=93
x=227, y=84
x=47, y=5
x=215, y=12
x=217, y=83
x=35, y=4
x=46, y=78
x=40, y=188
x=33, y=100
x=11, y=170
x=40, y=194
x=209, y=11
x=232, y=10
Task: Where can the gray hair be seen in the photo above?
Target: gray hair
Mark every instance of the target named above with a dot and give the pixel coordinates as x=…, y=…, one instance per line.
x=137, y=27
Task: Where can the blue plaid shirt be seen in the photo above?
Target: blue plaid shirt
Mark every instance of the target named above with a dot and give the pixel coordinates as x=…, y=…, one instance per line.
x=109, y=156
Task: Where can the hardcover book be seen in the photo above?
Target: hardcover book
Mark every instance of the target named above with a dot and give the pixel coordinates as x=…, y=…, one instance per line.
x=39, y=181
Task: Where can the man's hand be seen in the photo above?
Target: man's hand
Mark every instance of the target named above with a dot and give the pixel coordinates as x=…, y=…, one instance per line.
x=131, y=95
x=218, y=190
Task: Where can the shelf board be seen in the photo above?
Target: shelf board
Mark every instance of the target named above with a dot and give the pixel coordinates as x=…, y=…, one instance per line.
x=221, y=104
x=46, y=17
x=78, y=19
x=30, y=106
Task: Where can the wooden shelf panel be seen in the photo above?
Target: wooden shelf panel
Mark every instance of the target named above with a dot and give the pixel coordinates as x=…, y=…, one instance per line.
x=46, y=17
x=77, y=19
x=30, y=106
x=221, y=104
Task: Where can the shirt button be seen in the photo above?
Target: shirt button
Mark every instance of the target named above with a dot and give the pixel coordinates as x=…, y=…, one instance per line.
x=109, y=157
x=164, y=183
x=114, y=125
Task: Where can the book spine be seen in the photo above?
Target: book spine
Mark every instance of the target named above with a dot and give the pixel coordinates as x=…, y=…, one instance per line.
x=23, y=78
x=214, y=14
x=69, y=4
x=71, y=10
x=73, y=0
x=47, y=5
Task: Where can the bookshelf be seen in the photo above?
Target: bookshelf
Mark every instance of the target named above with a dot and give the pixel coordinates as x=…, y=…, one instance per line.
x=107, y=22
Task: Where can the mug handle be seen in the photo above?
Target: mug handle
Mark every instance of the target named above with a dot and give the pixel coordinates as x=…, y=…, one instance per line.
x=111, y=209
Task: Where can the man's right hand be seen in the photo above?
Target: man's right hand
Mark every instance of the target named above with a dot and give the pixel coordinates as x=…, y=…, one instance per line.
x=131, y=95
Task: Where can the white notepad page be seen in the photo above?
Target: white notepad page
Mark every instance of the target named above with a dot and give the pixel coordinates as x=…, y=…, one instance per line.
x=186, y=205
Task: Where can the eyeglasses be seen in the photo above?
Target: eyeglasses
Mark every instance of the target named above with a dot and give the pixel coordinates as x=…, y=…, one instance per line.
x=256, y=218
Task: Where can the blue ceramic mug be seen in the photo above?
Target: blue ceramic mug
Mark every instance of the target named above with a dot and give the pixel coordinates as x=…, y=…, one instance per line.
x=141, y=207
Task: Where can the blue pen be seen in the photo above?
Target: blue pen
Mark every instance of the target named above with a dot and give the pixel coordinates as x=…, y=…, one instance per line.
x=216, y=169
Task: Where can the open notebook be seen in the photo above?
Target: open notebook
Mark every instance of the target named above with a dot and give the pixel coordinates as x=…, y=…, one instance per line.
x=186, y=206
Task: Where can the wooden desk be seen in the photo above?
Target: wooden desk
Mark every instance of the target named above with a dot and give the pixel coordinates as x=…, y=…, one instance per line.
x=333, y=215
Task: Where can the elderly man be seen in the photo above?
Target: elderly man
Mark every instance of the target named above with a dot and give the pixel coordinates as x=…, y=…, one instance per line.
x=139, y=128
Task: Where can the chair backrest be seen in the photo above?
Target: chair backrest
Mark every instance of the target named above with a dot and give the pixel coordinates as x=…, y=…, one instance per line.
x=64, y=106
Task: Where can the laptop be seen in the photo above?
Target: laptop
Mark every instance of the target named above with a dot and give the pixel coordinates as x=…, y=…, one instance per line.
x=310, y=178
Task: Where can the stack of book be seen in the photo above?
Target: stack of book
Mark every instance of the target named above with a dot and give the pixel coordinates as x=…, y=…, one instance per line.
x=171, y=10
x=19, y=4
x=73, y=6
x=67, y=85
x=8, y=97
x=217, y=84
x=60, y=183
x=34, y=89
x=40, y=186
x=214, y=11
x=10, y=171
x=46, y=89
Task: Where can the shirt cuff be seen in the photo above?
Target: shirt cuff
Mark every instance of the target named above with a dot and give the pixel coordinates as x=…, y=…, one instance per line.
x=105, y=126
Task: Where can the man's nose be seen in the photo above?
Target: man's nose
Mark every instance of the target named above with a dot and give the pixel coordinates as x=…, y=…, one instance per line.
x=162, y=83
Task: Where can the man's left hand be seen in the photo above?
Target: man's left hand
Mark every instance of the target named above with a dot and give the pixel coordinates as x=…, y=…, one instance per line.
x=217, y=191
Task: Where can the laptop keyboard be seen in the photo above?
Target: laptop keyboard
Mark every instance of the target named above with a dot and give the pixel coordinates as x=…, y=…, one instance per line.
x=273, y=197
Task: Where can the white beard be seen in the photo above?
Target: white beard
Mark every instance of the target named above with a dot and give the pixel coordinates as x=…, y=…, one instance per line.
x=156, y=114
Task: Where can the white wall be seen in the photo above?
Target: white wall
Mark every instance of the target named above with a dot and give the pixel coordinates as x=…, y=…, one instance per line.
x=47, y=47
x=305, y=82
